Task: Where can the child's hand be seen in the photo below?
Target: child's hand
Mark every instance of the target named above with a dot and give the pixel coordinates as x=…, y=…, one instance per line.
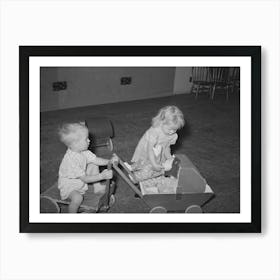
x=168, y=164
x=106, y=174
x=114, y=159
x=158, y=167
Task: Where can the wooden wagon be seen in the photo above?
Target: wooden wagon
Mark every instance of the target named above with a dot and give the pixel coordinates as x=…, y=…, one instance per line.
x=191, y=194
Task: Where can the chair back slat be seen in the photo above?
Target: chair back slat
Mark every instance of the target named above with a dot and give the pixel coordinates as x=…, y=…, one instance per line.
x=200, y=74
x=219, y=74
x=235, y=76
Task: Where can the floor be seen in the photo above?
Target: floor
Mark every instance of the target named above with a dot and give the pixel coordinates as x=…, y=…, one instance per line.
x=210, y=138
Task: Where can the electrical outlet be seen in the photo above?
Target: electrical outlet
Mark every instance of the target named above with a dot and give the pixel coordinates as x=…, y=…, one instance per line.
x=126, y=80
x=59, y=86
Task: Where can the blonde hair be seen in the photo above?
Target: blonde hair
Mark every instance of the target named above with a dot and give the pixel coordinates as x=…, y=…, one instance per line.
x=71, y=132
x=169, y=115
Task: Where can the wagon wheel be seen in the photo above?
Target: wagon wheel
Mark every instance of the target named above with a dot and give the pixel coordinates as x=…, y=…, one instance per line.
x=87, y=210
x=48, y=205
x=112, y=200
x=158, y=209
x=193, y=209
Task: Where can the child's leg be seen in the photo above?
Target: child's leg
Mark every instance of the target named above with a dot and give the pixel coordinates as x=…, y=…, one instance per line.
x=76, y=200
x=147, y=172
x=93, y=169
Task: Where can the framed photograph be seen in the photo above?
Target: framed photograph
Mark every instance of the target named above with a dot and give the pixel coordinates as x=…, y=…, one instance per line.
x=140, y=139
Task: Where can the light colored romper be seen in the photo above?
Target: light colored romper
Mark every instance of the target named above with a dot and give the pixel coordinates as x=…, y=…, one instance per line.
x=73, y=166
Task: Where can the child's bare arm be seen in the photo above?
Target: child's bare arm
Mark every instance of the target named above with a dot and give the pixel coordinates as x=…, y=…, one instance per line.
x=100, y=161
x=151, y=155
x=167, y=152
x=104, y=175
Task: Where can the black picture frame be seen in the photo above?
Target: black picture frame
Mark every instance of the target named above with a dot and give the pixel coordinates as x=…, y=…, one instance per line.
x=254, y=52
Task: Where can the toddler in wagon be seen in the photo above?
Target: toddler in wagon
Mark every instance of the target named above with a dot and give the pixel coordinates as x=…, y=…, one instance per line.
x=152, y=156
x=79, y=166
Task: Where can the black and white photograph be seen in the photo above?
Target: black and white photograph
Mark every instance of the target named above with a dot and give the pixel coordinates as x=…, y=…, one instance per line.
x=150, y=124
x=144, y=130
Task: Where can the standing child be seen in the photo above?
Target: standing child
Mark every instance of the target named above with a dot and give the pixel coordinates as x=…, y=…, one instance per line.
x=79, y=166
x=152, y=155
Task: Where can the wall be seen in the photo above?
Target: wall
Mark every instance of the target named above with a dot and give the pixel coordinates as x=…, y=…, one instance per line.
x=48, y=98
x=97, y=85
x=182, y=82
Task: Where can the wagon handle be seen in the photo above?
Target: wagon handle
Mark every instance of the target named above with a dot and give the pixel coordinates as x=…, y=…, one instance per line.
x=107, y=187
x=109, y=167
x=126, y=169
x=125, y=178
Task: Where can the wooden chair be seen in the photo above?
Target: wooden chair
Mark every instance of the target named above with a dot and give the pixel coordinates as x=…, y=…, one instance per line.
x=235, y=79
x=201, y=80
x=219, y=80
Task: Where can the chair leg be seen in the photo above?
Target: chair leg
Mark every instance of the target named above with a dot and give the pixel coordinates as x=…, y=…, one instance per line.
x=197, y=91
x=227, y=90
x=210, y=91
x=213, y=92
x=192, y=88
